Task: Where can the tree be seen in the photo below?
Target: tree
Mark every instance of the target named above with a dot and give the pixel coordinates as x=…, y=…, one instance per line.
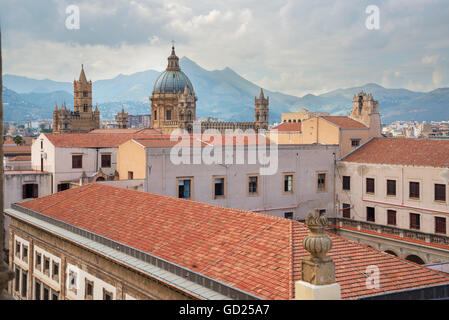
x=18, y=140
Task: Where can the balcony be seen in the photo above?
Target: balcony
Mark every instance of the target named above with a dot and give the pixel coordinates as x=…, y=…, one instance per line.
x=389, y=230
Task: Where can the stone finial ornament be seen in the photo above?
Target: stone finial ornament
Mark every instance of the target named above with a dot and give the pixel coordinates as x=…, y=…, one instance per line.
x=318, y=268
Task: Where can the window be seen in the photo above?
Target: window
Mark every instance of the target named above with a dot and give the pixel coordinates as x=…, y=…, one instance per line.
x=346, y=211
x=17, y=280
x=17, y=253
x=355, y=142
x=130, y=175
x=63, y=186
x=85, y=94
x=440, y=192
x=55, y=296
x=321, y=182
x=440, y=225
x=415, y=222
x=30, y=191
x=107, y=295
x=24, y=284
x=73, y=284
x=46, y=295
x=105, y=160
x=168, y=117
x=85, y=107
x=288, y=183
x=219, y=187
x=184, y=188
x=89, y=290
x=55, y=271
x=155, y=115
x=47, y=266
x=38, y=265
x=77, y=161
x=414, y=190
x=370, y=182
x=391, y=217
x=288, y=215
x=37, y=290
x=25, y=253
x=346, y=183
x=253, y=185
x=391, y=187
x=370, y=214
x=42, y=144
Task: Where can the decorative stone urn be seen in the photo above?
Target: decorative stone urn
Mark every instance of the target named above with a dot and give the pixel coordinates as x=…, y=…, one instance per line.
x=317, y=268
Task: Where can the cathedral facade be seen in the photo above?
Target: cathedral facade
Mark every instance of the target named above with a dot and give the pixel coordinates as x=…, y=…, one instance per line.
x=173, y=104
x=82, y=119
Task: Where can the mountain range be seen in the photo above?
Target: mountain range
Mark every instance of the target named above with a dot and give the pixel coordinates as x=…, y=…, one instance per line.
x=221, y=93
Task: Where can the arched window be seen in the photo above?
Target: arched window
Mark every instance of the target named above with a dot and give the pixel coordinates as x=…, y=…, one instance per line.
x=391, y=252
x=414, y=259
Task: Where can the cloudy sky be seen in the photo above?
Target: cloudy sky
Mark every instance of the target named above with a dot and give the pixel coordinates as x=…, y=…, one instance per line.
x=295, y=47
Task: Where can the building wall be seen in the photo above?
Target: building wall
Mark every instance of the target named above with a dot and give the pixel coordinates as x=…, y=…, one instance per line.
x=122, y=282
x=12, y=190
x=304, y=161
x=58, y=161
x=426, y=206
x=131, y=156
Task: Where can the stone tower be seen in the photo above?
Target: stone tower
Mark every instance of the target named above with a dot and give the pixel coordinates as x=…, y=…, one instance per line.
x=122, y=119
x=82, y=119
x=366, y=110
x=261, y=111
x=186, y=109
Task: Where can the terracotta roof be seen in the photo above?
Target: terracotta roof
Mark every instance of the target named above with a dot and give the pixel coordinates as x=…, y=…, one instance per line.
x=258, y=253
x=20, y=158
x=88, y=140
x=125, y=131
x=289, y=127
x=203, y=140
x=344, y=122
x=16, y=150
x=399, y=151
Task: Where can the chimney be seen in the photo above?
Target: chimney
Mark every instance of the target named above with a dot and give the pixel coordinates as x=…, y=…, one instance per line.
x=318, y=270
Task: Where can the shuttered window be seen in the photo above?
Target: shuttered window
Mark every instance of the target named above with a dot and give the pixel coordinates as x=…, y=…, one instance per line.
x=77, y=161
x=414, y=190
x=440, y=192
x=369, y=185
x=391, y=187
x=391, y=217
x=440, y=225
x=415, y=221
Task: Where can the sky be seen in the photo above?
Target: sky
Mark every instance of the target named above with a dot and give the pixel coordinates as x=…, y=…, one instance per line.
x=295, y=47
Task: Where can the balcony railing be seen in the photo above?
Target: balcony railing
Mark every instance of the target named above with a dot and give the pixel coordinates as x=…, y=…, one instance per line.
x=391, y=230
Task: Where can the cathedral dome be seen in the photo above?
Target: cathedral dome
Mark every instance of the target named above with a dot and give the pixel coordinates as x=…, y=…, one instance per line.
x=172, y=79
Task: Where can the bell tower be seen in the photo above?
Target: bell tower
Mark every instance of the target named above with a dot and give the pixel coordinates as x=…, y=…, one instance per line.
x=261, y=111
x=82, y=92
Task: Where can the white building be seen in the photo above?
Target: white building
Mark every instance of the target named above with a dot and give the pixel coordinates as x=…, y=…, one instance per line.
x=302, y=181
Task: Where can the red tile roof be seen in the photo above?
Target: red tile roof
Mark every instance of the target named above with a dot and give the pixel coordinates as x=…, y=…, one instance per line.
x=288, y=127
x=11, y=150
x=88, y=140
x=399, y=151
x=344, y=122
x=126, y=131
x=258, y=253
x=203, y=140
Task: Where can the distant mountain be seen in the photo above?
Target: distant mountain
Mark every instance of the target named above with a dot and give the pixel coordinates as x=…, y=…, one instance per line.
x=221, y=93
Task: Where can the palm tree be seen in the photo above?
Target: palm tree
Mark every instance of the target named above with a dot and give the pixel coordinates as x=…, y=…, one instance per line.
x=5, y=274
